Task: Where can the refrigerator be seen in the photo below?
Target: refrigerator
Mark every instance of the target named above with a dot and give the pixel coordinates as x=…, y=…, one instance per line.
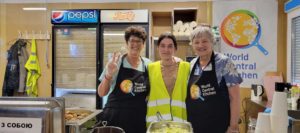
x=76, y=57
x=112, y=27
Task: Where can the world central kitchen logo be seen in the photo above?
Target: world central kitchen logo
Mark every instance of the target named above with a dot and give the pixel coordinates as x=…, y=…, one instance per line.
x=74, y=16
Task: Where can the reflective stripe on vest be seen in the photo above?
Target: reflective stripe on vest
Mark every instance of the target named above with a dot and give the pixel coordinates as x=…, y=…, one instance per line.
x=165, y=117
x=167, y=101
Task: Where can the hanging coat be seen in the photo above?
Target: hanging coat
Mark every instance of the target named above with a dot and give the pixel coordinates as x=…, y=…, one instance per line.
x=23, y=57
x=11, y=78
x=34, y=71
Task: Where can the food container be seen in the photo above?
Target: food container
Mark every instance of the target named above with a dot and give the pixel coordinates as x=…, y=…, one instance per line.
x=107, y=129
x=77, y=125
x=32, y=115
x=170, y=127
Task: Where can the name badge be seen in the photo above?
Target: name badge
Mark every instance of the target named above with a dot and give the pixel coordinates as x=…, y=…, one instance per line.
x=197, y=71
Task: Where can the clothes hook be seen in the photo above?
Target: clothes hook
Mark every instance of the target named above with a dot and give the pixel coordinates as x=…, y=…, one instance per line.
x=41, y=36
x=19, y=34
x=26, y=34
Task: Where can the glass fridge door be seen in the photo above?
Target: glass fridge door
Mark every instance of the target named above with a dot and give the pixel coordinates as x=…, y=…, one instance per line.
x=75, y=60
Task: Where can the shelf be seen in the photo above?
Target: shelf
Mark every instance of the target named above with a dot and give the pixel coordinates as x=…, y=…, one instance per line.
x=183, y=38
x=178, y=39
x=161, y=22
x=184, y=14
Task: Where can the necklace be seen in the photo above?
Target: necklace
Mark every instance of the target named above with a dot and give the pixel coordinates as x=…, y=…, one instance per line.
x=204, y=64
x=169, y=74
x=169, y=64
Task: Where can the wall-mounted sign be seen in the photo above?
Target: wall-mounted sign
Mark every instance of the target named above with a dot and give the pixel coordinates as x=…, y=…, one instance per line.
x=20, y=125
x=248, y=36
x=74, y=16
x=124, y=16
x=290, y=5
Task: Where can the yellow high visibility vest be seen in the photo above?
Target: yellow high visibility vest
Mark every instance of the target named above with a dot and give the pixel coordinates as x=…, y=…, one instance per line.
x=159, y=100
x=34, y=71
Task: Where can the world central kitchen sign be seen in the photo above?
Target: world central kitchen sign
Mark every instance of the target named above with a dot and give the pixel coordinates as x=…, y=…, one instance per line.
x=290, y=5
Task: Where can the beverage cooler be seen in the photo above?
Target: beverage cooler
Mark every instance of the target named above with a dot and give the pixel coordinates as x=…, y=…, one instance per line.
x=75, y=56
x=112, y=27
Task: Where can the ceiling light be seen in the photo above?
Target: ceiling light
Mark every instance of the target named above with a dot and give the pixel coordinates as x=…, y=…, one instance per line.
x=113, y=34
x=35, y=8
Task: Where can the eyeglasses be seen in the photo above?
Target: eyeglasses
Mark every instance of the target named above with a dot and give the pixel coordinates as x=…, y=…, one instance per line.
x=135, y=41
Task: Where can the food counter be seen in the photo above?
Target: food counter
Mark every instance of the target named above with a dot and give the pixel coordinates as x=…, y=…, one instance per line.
x=32, y=115
x=77, y=117
x=43, y=115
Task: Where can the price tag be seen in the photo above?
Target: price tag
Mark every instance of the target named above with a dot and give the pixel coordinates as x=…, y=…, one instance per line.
x=20, y=125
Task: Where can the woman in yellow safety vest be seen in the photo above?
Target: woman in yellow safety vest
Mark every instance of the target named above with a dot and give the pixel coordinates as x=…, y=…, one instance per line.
x=168, y=83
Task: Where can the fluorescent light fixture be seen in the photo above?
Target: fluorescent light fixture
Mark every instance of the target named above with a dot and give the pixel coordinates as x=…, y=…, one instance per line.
x=113, y=34
x=35, y=8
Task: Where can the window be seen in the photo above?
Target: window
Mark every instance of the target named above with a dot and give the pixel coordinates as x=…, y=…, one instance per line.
x=295, y=50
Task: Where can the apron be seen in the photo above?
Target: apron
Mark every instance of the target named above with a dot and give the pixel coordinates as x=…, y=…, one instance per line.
x=126, y=106
x=208, y=105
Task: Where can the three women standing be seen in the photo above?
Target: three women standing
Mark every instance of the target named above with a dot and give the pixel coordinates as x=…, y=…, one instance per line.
x=206, y=93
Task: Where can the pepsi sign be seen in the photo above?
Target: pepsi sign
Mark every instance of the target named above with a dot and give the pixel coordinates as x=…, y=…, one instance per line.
x=74, y=16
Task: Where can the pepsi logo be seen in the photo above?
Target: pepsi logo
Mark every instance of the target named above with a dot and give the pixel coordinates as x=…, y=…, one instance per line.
x=57, y=16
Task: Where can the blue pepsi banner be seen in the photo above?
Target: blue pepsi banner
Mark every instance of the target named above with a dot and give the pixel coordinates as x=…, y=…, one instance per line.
x=74, y=16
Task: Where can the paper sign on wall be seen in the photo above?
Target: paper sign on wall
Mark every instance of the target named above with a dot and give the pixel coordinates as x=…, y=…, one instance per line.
x=20, y=125
x=124, y=16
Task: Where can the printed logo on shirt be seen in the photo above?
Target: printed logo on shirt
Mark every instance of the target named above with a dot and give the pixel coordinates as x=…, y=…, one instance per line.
x=208, y=90
x=139, y=87
x=126, y=86
x=195, y=92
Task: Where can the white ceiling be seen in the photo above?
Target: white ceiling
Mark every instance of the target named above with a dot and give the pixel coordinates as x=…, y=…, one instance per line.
x=98, y=1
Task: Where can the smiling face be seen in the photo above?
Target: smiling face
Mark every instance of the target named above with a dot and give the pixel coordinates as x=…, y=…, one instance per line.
x=134, y=46
x=202, y=45
x=166, y=49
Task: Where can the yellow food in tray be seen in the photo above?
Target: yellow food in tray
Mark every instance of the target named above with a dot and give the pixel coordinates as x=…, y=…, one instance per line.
x=170, y=127
x=73, y=115
x=170, y=130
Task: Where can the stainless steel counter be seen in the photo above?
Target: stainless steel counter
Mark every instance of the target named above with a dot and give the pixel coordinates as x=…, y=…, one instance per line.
x=77, y=125
x=28, y=115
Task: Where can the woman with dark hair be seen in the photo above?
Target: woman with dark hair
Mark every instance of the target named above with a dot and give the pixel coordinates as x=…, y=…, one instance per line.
x=168, y=82
x=125, y=80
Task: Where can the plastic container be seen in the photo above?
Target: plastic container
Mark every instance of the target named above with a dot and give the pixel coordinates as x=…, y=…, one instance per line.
x=108, y=129
x=251, y=125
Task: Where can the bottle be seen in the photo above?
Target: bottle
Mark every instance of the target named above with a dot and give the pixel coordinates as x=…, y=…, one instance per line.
x=294, y=96
x=251, y=125
x=289, y=100
x=298, y=104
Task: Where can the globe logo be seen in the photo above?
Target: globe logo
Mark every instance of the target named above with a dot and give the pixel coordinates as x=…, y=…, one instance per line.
x=241, y=29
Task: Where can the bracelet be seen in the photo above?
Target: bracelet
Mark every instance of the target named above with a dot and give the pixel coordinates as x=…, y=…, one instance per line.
x=108, y=79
